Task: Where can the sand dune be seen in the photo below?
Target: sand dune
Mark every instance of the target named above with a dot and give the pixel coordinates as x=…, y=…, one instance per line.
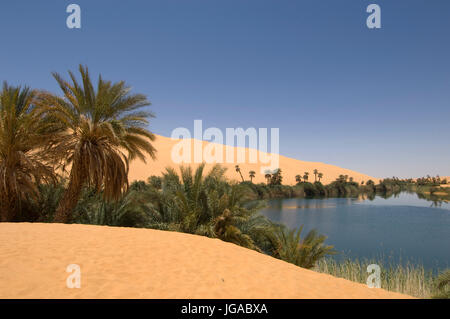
x=142, y=263
x=290, y=167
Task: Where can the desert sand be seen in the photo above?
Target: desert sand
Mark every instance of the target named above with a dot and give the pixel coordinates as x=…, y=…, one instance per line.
x=448, y=181
x=290, y=167
x=120, y=262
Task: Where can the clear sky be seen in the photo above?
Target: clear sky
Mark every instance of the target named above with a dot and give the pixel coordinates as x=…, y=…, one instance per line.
x=375, y=101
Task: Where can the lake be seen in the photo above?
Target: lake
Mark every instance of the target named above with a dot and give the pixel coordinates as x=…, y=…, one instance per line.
x=402, y=228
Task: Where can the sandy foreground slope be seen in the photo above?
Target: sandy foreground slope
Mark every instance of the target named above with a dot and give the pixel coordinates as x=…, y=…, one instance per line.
x=142, y=263
x=290, y=167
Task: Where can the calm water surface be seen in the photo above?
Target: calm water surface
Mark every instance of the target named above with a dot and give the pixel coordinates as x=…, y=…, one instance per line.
x=402, y=228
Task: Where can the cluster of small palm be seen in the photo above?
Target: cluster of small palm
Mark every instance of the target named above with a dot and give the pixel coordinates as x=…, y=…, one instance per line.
x=288, y=245
x=131, y=210
x=206, y=204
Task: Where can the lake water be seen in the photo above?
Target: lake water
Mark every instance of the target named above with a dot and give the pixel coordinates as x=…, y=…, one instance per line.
x=398, y=229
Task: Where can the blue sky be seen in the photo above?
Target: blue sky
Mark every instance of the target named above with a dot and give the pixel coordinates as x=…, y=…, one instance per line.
x=375, y=101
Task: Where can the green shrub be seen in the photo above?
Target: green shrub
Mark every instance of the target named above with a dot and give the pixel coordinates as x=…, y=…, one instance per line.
x=288, y=245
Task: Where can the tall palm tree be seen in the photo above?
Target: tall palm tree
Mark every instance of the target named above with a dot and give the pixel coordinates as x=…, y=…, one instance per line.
x=298, y=178
x=276, y=178
x=315, y=172
x=305, y=177
x=268, y=177
x=252, y=175
x=238, y=169
x=320, y=176
x=102, y=129
x=23, y=164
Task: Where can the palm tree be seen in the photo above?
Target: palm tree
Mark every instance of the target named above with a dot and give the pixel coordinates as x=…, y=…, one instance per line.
x=305, y=177
x=298, y=178
x=238, y=169
x=102, y=129
x=131, y=210
x=252, y=175
x=205, y=204
x=288, y=245
x=320, y=175
x=268, y=177
x=315, y=172
x=276, y=178
x=23, y=164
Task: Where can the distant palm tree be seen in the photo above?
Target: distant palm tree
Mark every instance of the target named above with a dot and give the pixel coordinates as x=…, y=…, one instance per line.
x=315, y=172
x=252, y=175
x=276, y=178
x=298, y=178
x=238, y=169
x=305, y=177
x=23, y=165
x=102, y=129
x=268, y=177
x=320, y=175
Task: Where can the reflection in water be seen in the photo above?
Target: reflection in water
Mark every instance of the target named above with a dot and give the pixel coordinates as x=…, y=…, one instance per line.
x=435, y=200
x=311, y=206
x=409, y=199
x=402, y=226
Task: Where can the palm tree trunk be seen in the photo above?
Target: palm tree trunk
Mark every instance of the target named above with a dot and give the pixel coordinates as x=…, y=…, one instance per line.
x=68, y=202
x=8, y=208
x=241, y=176
x=4, y=211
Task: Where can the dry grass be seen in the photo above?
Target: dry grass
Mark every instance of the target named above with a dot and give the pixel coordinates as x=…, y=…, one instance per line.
x=407, y=279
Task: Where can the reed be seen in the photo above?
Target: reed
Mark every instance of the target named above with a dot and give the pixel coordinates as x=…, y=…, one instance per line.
x=408, y=278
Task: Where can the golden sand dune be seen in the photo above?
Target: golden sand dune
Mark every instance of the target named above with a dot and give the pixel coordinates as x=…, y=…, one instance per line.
x=142, y=263
x=290, y=167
